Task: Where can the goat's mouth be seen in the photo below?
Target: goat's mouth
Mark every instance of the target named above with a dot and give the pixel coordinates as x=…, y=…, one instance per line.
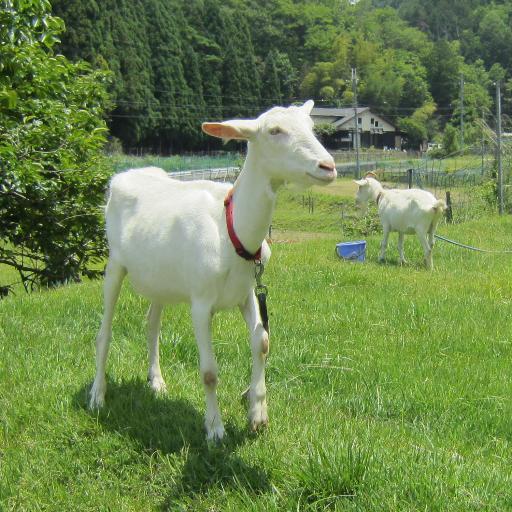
x=326, y=176
x=361, y=208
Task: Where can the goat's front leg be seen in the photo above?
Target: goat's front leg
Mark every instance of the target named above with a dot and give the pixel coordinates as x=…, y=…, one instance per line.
x=202, y=321
x=384, y=243
x=401, y=248
x=259, y=348
x=155, y=378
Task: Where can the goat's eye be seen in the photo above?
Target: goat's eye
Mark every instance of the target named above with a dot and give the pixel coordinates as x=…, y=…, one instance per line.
x=275, y=131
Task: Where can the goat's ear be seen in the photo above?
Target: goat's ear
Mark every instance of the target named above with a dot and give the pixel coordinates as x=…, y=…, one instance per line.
x=360, y=182
x=308, y=106
x=240, y=129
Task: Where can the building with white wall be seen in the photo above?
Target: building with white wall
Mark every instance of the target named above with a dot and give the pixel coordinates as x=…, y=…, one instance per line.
x=373, y=129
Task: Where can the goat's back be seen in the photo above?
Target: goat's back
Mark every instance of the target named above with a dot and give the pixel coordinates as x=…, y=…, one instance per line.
x=409, y=210
x=168, y=234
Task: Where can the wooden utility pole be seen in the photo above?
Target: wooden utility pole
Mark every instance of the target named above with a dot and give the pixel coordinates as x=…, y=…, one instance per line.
x=461, y=112
x=498, y=147
x=356, y=122
x=483, y=141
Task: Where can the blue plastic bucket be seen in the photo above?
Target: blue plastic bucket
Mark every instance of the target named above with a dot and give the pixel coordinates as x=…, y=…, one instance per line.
x=352, y=250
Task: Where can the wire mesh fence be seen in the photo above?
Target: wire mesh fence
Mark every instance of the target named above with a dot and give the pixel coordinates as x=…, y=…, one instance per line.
x=467, y=181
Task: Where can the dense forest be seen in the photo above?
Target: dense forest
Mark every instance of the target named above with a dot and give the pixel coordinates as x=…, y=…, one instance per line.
x=176, y=63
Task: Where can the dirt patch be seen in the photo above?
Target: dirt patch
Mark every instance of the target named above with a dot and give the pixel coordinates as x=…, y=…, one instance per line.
x=341, y=187
x=290, y=237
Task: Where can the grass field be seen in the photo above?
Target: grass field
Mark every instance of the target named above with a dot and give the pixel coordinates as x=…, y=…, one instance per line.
x=389, y=387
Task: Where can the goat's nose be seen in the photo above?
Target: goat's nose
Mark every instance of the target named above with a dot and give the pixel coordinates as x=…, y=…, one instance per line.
x=327, y=165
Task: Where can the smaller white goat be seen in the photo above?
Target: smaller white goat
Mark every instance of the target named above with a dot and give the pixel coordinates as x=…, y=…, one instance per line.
x=407, y=211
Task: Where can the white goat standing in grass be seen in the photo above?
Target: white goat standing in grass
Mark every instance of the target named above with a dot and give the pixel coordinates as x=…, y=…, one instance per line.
x=171, y=238
x=407, y=211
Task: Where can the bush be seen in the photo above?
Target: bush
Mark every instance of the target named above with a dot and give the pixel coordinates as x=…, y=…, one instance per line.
x=324, y=131
x=53, y=174
x=436, y=153
x=450, y=140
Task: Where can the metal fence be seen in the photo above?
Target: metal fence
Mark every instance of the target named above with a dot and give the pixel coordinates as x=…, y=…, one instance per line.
x=225, y=174
x=468, y=182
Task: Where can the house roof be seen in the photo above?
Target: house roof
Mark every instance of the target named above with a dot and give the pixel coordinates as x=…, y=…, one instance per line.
x=343, y=115
x=346, y=112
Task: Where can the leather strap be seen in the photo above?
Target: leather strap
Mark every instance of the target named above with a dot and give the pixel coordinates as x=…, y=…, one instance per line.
x=237, y=244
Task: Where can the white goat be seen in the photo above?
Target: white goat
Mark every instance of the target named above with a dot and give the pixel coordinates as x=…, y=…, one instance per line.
x=171, y=238
x=406, y=211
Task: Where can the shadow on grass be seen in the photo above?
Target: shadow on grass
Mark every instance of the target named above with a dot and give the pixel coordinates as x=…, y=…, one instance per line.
x=174, y=426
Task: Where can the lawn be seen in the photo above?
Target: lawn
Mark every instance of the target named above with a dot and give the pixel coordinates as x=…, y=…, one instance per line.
x=389, y=387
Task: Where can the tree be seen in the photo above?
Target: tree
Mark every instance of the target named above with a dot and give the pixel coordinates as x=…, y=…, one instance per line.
x=416, y=127
x=270, y=80
x=495, y=36
x=53, y=174
x=173, y=127
x=443, y=71
x=477, y=100
x=450, y=140
x=288, y=76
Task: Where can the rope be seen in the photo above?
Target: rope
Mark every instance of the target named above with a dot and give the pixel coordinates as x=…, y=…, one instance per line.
x=471, y=247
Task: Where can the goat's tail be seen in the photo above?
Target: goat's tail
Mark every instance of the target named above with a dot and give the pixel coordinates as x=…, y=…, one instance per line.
x=439, y=207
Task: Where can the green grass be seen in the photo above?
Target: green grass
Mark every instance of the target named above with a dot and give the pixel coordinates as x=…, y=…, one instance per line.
x=389, y=389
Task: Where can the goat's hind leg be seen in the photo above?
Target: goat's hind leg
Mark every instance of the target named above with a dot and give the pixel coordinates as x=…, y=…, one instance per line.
x=155, y=378
x=114, y=275
x=427, y=250
x=431, y=236
x=257, y=394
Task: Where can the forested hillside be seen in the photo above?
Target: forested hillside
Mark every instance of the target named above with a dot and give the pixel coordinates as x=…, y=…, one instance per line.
x=177, y=63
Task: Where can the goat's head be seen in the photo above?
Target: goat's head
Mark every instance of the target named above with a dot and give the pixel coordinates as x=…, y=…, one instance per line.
x=282, y=143
x=363, y=194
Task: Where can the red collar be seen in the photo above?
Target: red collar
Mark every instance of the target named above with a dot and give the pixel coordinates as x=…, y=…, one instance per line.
x=239, y=248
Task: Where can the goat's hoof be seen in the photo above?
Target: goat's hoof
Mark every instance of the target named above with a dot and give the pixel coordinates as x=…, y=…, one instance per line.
x=257, y=425
x=215, y=434
x=258, y=417
x=157, y=384
x=403, y=262
x=97, y=396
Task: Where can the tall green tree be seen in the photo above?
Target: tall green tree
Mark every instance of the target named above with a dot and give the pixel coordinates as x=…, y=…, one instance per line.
x=168, y=84
x=270, y=80
x=443, y=66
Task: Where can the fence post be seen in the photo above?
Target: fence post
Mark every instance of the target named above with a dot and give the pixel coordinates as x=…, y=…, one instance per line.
x=498, y=148
x=449, y=212
x=409, y=177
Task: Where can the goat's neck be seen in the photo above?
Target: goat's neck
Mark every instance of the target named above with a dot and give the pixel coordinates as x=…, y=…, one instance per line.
x=376, y=188
x=253, y=205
